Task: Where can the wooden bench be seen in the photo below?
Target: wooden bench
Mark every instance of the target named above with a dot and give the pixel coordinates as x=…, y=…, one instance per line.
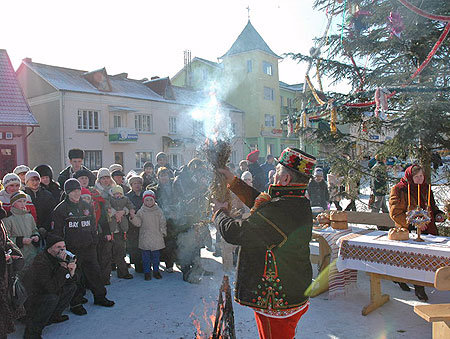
x=439, y=314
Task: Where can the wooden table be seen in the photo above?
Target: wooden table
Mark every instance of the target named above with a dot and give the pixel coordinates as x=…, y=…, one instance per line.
x=403, y=261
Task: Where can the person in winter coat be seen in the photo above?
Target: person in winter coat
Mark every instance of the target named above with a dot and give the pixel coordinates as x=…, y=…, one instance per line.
x=166, y=201
x=135, y=195
x=243, y=166
x=268, y=166
x=118, y=178
x=42, y=200
x=11, y=184
x=247, y=177
x=379, y=185
x=148, y=175
x=22, y=228
x=273, y=239
x=334, y=189
x=47, y=182
x=259, y=179
x=10, y=255
x=398, y=207
x=150, y=219
x=121, y=207
x=21, y=170
x=318, y=190
x=50, y=284
x=163, y=161
x=76, y=157
x=74, y=221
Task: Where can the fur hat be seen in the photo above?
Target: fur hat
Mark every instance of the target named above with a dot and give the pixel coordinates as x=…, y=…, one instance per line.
x=31, y=174
x=21, y=169
x=9, y=179
x=17, y=196
x=246, y=175
x=117, y=173
x=71, y=185
x=148, y=193
x=134, y=178
x=81, y=173
x=117, y=189
x=297, y=160
x=52, y=239
x=103, y=172
x=115, y=167
x=44, y=171
x=76, y=153
x=253, y=156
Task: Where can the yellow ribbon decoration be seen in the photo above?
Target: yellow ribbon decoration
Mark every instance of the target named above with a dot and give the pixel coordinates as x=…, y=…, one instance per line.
x=313, y=90
x=333, y=118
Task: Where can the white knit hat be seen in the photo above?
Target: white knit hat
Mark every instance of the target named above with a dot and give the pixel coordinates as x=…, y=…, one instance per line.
x=9, y=179
x=246, y=175
x=31, y=174
x=115, y=167
x=103, y=172
x=21, y=169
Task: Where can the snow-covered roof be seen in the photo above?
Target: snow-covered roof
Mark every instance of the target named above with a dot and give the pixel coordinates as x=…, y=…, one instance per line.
x=293, y=87
x=14, y=109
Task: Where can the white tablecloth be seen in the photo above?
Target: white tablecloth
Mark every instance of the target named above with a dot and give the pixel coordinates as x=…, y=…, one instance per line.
x=409, y=259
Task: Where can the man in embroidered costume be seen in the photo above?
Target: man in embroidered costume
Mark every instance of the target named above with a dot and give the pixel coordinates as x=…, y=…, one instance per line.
x=274, y=269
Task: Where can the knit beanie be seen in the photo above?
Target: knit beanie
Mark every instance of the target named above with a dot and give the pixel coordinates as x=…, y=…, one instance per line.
x=115, y=167
x=44, y=171
x=103, y=172
x=135, y=178
x=148, y=193
x=161, y=155
x=31, y=174
x=71, y=185
x=9, y=179
x=148, y=164
x=246, y=175
x=81, y=173
x=21, y=169
x=116, y=189
x=52, y=239
x=17, y=196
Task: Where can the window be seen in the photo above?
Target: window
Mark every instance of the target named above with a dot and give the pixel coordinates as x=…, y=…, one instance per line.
x=233, y=129
x=268, y=93
x=199, y=128
x=93, y=159
x=269, y=120
x=289, y=102
x=234, y=157
x=117, y=121
x=249, y=66
x=267, y=68
x=172, y=125
x=143, y=122
x=281, y=100
x=174, y=160
x=142, y=158
x=88, y=119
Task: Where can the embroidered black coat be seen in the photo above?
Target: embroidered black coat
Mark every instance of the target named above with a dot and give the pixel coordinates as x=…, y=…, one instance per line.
x=274, y=268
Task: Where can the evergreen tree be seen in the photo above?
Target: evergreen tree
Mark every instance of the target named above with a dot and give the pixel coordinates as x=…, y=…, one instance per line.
x=385, y=55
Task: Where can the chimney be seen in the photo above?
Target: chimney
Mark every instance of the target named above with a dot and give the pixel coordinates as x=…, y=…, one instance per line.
x=154, y=77
x=28, y=60
x=121, y=75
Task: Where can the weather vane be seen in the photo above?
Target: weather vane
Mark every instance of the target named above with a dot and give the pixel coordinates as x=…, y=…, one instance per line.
x=248, y=11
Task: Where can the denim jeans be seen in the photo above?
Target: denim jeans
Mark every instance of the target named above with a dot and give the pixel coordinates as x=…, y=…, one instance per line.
x=150, y=257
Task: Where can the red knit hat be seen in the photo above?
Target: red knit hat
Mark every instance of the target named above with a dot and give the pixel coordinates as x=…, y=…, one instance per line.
x=253, y=156
x=85, y=191
x=148, y=193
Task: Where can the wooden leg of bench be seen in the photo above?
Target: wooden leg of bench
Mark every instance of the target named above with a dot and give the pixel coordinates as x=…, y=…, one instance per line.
x=441, y=329
x=376, y=298
x=324, y=253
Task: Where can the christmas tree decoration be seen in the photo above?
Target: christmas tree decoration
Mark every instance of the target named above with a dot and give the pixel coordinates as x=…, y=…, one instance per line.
x=358, y=21
x=381, y=102
x=396, y=24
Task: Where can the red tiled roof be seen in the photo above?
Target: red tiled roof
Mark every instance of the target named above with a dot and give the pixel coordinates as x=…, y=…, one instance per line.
x=14, y=109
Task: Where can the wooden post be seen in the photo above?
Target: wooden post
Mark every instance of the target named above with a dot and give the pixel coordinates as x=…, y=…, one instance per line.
x=376, y=298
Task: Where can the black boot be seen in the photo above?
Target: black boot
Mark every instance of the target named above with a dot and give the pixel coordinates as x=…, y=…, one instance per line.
x=403, y=286
x=78, y=310
x=157, y=275
x=420, y=293
x=148, y=276
x=102, y=301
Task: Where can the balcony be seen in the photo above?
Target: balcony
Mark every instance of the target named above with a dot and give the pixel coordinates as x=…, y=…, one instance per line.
x=122, y=135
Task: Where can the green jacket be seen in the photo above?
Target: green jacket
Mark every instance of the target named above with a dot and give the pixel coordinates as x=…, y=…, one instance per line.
x=274, y=268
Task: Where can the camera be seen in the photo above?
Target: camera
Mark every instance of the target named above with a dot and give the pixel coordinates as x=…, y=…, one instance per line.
x=70, y=257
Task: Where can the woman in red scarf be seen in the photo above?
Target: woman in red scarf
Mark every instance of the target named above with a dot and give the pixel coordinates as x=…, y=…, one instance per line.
x=398, y=206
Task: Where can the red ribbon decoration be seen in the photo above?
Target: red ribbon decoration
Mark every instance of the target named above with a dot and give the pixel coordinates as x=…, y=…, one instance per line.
x=420, y=12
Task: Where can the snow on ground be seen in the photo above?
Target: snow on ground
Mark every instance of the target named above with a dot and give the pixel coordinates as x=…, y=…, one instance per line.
x=162, y=309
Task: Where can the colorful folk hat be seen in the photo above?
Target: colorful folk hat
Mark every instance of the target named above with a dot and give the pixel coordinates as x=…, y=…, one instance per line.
x=297, y=160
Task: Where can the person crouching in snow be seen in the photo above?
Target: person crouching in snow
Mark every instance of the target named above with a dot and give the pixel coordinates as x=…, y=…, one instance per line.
x=121, y=206
x=21, y=228
x=150, y=219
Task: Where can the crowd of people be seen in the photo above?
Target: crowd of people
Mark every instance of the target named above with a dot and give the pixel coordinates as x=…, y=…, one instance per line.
x=61, y=237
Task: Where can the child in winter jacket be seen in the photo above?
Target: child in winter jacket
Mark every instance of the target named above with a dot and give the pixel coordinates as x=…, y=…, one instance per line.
x=150, y=219
x=11, y=184
x=21, y=228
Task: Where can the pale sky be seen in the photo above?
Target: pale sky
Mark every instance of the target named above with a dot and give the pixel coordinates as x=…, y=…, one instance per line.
x=147, y=38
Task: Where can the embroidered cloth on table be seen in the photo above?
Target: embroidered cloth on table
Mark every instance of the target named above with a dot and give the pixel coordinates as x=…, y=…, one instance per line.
x=374, y=253
x=343, y=281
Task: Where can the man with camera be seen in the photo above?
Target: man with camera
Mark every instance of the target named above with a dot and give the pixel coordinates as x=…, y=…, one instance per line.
x=50, y=284
x=74, y=220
